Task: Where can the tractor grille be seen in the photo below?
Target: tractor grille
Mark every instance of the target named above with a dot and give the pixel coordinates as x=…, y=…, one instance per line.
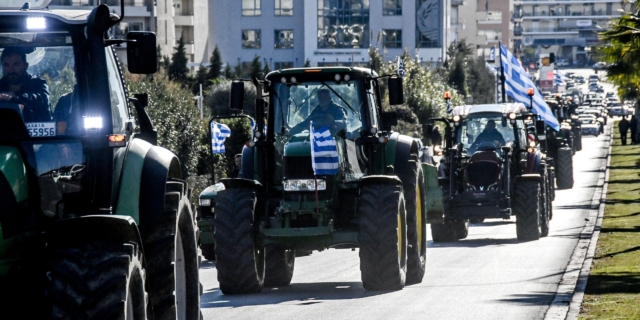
x=297, y=168
x=482, y=174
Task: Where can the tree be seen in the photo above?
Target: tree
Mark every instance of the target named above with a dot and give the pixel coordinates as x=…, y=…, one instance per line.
x=307, y=63
x=456, y=77
x=266, y=69
x=256, y=67
x=482, y=83
x=238, y=70
x=201, y=79
x=215, y=65
x=159, y=57
x=178, y=70
x=228, y=72
x=375, y=59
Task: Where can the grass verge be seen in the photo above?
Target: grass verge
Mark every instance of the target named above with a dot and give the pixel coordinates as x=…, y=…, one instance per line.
x=613, y=288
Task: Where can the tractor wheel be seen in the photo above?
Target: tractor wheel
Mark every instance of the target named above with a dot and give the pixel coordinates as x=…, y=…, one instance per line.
x=544, y=204
x=208, y=251
x=382, y=237
x=279, y=263
x=172, y=258
x=462, y=228
x=415, y=202
x=102, y=280
x=551, y=173
x=444, y=232
x=239, y=261
x=564, y=168
x=525, y=206
x=578, y=141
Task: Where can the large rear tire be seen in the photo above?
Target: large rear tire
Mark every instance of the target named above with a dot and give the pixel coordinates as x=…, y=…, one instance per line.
x=578, y=140
x=525, y=205
x=97, y=281
x=446, y=231
x=415, y=201
x=279, y=264
x=172, y=258
x=382, y=237
x=564, y=168
x=239, y=261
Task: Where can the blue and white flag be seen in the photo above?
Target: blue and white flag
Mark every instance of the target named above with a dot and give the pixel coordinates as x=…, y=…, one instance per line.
x=559, y=81
x=401, y=71
x=324, y=152
x=516, y=84
x=219, y=132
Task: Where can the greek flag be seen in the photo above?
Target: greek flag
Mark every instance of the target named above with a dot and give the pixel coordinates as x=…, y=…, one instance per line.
x=401, y=71
x=324, y=152
x=516, y=84
x=559, y=81
x=219, y=132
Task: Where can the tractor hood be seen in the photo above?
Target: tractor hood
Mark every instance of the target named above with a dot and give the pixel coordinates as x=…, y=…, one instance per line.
x=298, y=146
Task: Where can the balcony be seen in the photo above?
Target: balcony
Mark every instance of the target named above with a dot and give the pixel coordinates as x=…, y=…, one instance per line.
x=457, y=3
x=565, y=31
x=586, y=14
x=183, y=20
x=458, y=24
x=489, y=17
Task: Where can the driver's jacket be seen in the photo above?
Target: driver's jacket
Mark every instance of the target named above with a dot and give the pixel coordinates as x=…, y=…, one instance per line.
x=489, y=136
x=33, y=95
x=333, y=110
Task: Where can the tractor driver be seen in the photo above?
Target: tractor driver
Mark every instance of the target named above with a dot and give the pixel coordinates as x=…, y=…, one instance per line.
x=489, y=134
x=20, y=87
x=327, y=113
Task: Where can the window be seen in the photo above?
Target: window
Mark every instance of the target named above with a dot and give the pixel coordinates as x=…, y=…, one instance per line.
x=283, y=8
x=251, y=39
x=492, y=35
x=283, y=65
x=251, y=8
x=391, y=7
x=392, y=38
x=343, y=23
x=283, y=39
x=120, y=112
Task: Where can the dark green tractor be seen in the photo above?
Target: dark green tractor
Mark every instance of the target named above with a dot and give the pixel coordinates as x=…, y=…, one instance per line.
x=95, y=218
x=375, y=199
x=561, y=145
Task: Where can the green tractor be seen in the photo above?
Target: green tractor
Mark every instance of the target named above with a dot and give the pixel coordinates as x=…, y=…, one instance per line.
x=95, y=218
x=367, y=189
x=561, y=145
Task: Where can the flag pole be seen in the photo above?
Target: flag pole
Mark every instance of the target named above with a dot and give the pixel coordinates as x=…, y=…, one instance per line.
x=315, y=184
x=502, y=78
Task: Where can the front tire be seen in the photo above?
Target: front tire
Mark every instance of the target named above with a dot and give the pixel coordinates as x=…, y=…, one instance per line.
x=462, y=229
x=97, y=280
x=240, y=262
x=526, y=202
x=446, y=231
x=279, y=264
x=382, y=237
x=172, y=258
x=415, y=201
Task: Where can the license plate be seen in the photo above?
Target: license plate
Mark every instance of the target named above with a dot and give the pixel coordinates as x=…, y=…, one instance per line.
x=41, y=129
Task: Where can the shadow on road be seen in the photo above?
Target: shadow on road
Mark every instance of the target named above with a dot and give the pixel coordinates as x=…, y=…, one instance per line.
x=296, y=293
x=539, y=298
x=576, y=207
x=473, y=243
x=492, y=223
x=626, y=215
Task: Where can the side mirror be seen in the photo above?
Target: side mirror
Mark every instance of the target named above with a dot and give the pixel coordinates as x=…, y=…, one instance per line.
x=540, y=127
x=396, y=95
x=237, y=95
x=389, y=119
x=142, y=56
x=143, y=98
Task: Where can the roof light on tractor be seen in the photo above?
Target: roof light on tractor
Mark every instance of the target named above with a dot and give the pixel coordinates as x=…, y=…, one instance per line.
x=36, y=23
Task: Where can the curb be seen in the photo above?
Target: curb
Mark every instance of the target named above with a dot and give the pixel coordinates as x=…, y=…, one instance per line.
x=568, y=299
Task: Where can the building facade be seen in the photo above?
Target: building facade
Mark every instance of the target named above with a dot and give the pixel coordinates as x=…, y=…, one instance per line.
x=287, y=33
x=567, y=28
x=169, y=19
x=483, y=23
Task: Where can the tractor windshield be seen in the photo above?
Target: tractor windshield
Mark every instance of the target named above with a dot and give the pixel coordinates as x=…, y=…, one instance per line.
x=336, y=106
x=485, y=131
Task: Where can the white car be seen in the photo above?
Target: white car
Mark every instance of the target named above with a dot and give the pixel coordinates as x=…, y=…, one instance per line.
x=590, y=126
x=620, y=111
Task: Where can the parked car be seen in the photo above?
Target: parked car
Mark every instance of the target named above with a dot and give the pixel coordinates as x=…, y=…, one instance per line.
x=599, y=65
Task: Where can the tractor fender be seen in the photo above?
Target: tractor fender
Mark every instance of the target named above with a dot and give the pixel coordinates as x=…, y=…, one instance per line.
x=145, y=172
x=405, y=147
x=529, y=177
x=247, y=169
x=390, y=149
x=93, y=228
x=379, y=179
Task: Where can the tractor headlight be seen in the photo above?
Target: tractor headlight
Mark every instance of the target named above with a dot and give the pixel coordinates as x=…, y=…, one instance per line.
x=512, y=116
x=532, y=144
x=304, y=185
x=205, y=202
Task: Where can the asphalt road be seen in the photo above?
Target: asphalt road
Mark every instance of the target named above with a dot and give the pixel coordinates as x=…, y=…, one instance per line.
x=489, y=275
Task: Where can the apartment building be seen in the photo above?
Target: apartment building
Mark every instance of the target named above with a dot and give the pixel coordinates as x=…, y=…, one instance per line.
x=169, y=19
x=483, y=23
x=286, y=33
x=567, y=28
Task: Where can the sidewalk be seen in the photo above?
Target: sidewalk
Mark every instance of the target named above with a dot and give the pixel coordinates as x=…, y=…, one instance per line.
x=613, y=283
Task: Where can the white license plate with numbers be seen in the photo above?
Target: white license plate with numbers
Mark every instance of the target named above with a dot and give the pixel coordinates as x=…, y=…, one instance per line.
x=41, y=129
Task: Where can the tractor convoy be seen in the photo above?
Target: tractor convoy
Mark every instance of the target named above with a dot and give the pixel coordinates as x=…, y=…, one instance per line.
x=95, y=218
